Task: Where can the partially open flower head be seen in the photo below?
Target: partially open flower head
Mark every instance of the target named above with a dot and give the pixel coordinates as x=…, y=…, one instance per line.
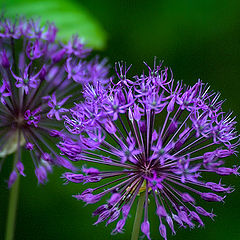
x=39, y=77
x=154, y=136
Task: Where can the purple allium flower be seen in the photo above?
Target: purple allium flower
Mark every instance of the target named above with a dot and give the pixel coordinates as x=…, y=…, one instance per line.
x=152, y=136
x=35, y=88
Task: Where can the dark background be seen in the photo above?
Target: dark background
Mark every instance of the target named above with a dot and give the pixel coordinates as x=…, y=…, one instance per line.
x=197, y=39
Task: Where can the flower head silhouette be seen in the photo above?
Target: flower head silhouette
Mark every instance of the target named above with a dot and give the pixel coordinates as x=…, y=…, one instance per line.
x=154, y=137
x=39, y=77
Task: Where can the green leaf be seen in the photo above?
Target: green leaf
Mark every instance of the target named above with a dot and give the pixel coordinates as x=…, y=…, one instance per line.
x=69, y=17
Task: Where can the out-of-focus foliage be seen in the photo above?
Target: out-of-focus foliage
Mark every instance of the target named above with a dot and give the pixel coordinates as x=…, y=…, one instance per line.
x=69, y=17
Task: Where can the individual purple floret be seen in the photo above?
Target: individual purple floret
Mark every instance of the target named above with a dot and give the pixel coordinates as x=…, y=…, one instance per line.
x=155, y=137
x=4, y=91
x=35, y=90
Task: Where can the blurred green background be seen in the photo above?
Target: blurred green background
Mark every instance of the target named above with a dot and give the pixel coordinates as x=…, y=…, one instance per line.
x=197, y=39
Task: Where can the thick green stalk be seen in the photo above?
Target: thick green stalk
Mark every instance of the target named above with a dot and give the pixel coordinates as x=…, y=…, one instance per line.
x=10, y=227
x=138, y=217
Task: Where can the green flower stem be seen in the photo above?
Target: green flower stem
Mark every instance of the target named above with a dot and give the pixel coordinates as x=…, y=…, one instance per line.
x=12, y=210
x=138, y=217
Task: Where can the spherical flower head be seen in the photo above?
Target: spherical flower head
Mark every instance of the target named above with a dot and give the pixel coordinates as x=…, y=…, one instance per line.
x=40, y=79
x=155, y=137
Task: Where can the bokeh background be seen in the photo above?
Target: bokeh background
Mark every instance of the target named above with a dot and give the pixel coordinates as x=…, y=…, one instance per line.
x=197, y=39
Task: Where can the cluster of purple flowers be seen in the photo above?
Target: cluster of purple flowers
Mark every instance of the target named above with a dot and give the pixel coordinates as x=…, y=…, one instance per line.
x=39, y=76
x=154, y=136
